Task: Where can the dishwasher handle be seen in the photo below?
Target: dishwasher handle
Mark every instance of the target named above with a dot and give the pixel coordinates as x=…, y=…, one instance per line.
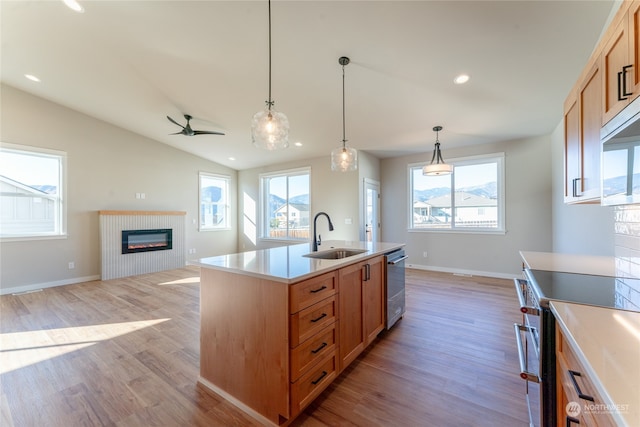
x=397, y=260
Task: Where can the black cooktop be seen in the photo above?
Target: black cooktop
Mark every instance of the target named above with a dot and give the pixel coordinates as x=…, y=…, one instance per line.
x=603, y=291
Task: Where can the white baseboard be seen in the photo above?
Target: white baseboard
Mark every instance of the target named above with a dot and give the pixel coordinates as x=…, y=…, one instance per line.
x=39, y=286
x=462, y=271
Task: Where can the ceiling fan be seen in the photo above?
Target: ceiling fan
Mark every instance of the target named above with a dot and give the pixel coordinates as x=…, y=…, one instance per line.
x=186, y=130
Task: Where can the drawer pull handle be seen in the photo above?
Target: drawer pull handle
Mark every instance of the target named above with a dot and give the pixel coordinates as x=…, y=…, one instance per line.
x=324, y=344
x=573, y=375
x=318, y=318
x=324, y=374
x=313, y=291
x=571, y=420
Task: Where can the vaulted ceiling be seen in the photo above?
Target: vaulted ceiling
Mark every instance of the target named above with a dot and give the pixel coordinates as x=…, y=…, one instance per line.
x=132, y=63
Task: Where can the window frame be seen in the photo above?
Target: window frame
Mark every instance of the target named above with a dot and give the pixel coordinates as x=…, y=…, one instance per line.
x=499, y=160
x=263, y=227
x=227, y=207
x=60, y=210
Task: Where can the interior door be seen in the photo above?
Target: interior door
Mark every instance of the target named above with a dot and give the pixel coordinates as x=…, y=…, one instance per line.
x=371, y=210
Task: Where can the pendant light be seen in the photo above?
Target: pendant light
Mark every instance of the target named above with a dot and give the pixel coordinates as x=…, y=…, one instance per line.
x=437, y=166
x=270, y=128
x=343, y=158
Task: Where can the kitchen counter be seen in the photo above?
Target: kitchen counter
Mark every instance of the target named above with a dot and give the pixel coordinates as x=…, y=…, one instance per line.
x=570, y=263
x=288, y=265
x=607, y=343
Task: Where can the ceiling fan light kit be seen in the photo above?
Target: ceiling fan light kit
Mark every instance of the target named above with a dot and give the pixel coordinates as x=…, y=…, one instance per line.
x=343, y=158
x=270, y=128
x=437, y=165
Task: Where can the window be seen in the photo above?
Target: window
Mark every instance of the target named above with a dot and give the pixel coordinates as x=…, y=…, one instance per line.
x=31, y=199
x=285, y=205
x=214, y=202
x=471, y=199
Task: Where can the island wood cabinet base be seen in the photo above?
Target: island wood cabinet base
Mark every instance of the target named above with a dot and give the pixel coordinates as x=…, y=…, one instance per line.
x=270, y=348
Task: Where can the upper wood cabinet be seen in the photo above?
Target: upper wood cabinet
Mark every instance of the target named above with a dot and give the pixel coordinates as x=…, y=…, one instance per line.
x=608, y=83
x=620, y=61
x=582, y=141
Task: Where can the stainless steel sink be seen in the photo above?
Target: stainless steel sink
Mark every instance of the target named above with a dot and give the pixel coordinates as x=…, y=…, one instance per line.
x=337, y=253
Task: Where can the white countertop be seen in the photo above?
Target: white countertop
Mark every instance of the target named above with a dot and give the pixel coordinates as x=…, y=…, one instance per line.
x=607, y=343
x=570, y=263
x=287, y=263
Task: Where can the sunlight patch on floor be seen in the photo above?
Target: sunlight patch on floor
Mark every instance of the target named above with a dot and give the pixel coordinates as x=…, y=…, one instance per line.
x=185, y=281
x=20, y=349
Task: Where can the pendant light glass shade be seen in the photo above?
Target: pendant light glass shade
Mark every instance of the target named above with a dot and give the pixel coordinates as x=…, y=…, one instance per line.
x=270, y=128
x=437, y=166
x=343, y=158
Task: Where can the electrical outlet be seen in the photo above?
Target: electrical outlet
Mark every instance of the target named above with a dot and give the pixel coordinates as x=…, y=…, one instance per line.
x=72, y=265
x=424, y=254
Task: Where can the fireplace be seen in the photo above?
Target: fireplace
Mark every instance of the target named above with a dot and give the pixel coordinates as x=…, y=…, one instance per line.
x=134, y=241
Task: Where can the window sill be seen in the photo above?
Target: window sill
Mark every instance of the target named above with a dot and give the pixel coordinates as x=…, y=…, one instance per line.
x=33, y=238
x=458, y=231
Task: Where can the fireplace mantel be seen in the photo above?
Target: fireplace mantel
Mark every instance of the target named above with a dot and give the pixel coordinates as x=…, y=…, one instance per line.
x=133, y=213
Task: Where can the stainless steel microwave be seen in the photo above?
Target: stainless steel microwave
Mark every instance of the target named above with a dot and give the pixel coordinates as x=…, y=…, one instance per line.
x=621, y=157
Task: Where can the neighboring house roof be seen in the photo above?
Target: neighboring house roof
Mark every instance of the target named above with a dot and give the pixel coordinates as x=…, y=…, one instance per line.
x=301, y=207
x=462, y=200
x=26, y=188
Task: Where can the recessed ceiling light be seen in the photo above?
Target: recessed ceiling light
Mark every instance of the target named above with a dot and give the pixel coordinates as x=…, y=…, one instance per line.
x=232, y=158
x=298, y=144
x=461, y=79
x=74, y=5
x=32, y=78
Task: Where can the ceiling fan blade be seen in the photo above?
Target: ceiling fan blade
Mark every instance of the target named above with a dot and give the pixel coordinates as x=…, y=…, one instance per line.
x=178, y=133
x=206, y=132
x=174, y=122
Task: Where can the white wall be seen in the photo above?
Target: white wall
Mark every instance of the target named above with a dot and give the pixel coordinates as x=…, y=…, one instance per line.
x=336, y=193
x=528, y=213
x=582, y=229
x=106, y=167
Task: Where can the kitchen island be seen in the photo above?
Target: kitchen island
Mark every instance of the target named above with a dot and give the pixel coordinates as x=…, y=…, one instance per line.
x=277, y=327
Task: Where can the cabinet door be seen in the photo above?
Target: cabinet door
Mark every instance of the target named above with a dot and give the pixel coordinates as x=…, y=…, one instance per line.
x=590, y=98
x=572, y=164
x=634, y=49
x=615, y=56
x=582, y=141
x=351, y=312
x=373, y=295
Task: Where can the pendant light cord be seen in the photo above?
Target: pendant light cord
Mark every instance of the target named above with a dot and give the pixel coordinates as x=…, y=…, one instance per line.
x=270, y=102
x=344, y=137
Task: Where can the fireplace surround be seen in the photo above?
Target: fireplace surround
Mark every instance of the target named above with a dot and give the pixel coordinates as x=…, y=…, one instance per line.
x=149, y=231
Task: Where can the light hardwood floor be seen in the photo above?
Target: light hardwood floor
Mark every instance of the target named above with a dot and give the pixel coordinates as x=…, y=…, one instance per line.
x=125, y=352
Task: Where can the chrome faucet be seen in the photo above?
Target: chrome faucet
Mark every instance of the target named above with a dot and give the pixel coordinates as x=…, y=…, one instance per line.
x=316, y=240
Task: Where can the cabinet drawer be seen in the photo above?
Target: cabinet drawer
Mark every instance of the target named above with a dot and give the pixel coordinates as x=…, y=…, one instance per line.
x=312, y=350
x=308, y=322
x=575, y=380
x=311, y=384
x=309, y=292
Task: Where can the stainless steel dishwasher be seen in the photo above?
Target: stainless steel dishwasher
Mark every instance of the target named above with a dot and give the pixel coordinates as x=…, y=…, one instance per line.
x=395, y=286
